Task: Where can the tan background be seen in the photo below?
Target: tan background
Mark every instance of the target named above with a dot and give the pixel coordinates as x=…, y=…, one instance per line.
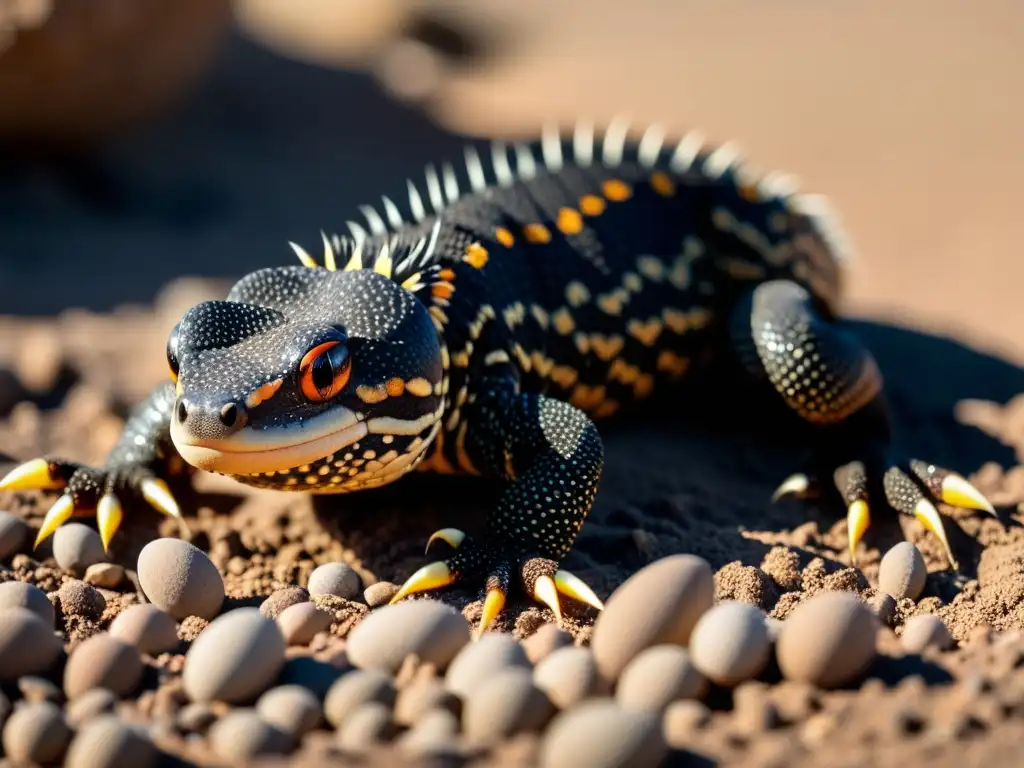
x=908, y=115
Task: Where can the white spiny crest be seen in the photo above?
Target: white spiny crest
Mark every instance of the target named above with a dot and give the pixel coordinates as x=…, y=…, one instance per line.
x=382, y=264
x=355, y=259
x=419, y=211
x=583, y=143
x=526, y=165
x=650, y=145
x=434, y=188
x=357, y=231
x=329, y=262
x=614, y=142
x=720, y=159
x=499, y=161
x=451, y=183
x=686, y=151
x=391, y=211
x=475, y=169
x=432, y=240
x=780, y=185
x=304, y=257
x=551, y=147
x=377, y=225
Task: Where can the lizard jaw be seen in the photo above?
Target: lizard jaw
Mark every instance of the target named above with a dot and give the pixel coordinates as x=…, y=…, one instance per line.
x=248, y=454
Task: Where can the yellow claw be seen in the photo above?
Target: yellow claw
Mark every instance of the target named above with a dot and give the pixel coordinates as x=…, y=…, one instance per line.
x=493, y=604
x=159, y=496
x=546, y=592
x=960, y=493
x=930, y=518
x=573, y=586
x=430, y=576
x=452, y=536
x=796, y=485
x=108, y=518
x=858, y=518
x=31, y=476
x=62, y=509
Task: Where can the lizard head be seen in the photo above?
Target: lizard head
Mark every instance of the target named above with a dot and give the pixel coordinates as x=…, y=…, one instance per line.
x=305, y=379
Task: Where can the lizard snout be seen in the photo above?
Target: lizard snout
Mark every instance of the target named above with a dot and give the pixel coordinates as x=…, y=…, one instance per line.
x=210, y=421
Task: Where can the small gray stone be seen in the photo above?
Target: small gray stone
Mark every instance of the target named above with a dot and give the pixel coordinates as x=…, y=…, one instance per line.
x=106, y=575
x=242, y=735
x=13, y=534
x=77, y=546
x=19, y=594
x=36, y=732
x=432, y=630
x=148, y=628
x=925, y=631
x=291, y=708
x=107, y=742
x=338, y=579
x=181, y=579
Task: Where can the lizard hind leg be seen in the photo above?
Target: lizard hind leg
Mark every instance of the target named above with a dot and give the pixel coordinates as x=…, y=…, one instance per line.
x=826, y=376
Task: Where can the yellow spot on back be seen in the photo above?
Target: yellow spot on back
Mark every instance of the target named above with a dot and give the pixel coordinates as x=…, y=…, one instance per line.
x=263, y=393
x=672, y=364
x=587, y=398
x=504, y=237
x=447, y=274
x=569, y=221
x=612, y=303
x=651, y=267
x=632, y=282
x=540, y=315
x=646, y=332
x=395, y=387
x=476, y=255
x=563, y=322
x=616, y=190
x=537, y=233
x=592, y=205
x=606, y=409
x=623, y=372
x=750, y=193
x=577, y=294
x=564, y=376
x=662, y=183
x=606, y=347
x=419, y=387
x=644, y=385
x=371, y=394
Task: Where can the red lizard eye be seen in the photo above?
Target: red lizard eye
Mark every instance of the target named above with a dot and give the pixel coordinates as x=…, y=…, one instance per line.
x=324, y=371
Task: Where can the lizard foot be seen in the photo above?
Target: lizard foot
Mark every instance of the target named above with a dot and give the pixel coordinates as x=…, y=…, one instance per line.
x=89, y=490
x=540, y=577
x=909, y=488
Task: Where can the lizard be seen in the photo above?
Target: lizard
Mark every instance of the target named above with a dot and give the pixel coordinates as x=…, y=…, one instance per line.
x=525, y=294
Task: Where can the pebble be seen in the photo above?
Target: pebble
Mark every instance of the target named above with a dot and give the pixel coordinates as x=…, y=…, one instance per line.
x=436, y=734
x=730, y=643
x=494, y=652
x=148, y=628
x=242, y=734
x=432, y=630
x=77, y=598
x=13, y=534
x=237, y=657
x=27, y=645
x=925, y=631
x=568, y=676
x=380, y=593
x=106, y=575
x=827, y=640
x=353, y=689
x=367, y=726
x=36, y=732
x=90, y=704
x=660, y=603
x=19, y=594
x=423, y=695
x=179, y=578
x=338, y=579
x=102, y=661
x=600, y=734
x=35, y=688
x=885, y=607
x=902, y=572
x=283, y=599
x=299, y=623
x=77, y=546
x=107, y=742
x=291, y=708
x=502, y=703
x=681, y=719
x=657, y=676
x=545, y=641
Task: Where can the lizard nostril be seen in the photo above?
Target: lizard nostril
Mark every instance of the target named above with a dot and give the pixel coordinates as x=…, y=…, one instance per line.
x=182, y=412
x=229, y=415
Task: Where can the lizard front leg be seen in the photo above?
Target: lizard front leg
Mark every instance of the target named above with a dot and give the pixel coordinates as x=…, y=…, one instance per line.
x=135, y=467
x=831, y=380
x=551, y=455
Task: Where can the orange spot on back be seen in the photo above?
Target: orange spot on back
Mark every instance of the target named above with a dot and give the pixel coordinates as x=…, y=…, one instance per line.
x=476, y=255
x=749, y=193
x=446, y=274
x=537, y=233
x=441, y=290
x=662, y=183
x=504, y=237
x=616, y=190
x=395, y=387
x=570, y=222
x=592, y=205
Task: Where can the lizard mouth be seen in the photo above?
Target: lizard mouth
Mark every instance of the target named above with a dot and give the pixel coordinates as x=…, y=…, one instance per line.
x=249, y=452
